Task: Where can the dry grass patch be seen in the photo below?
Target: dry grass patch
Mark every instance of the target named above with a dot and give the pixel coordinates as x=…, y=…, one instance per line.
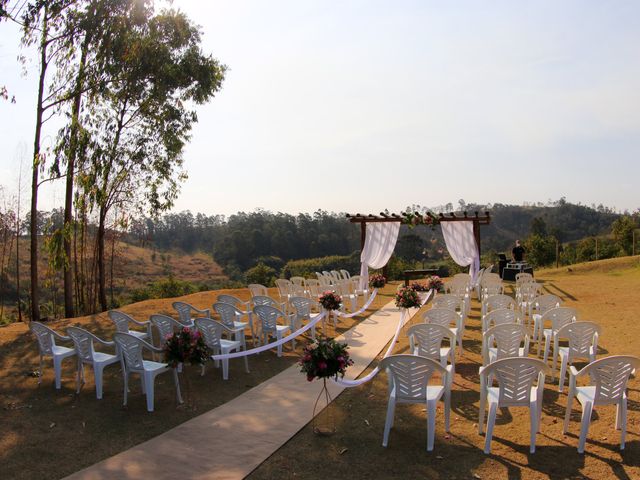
x=49, y=434
x=606, y=292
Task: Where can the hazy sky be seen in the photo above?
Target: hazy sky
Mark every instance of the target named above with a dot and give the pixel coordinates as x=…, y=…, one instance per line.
x=367, y=105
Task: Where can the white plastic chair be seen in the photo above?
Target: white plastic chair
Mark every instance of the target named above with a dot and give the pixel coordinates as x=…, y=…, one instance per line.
x=452, y=302
x=302, y=311
x=46, y=338
x=184, y=313
x=523, y=277
x=516, y=377
x=425, y=340
x=409, y=377
x=244, y=307
x=83, y=342
x=446, y=317
x=541, y=304
x=583, y=344
x=212, y=332
x=130, y=349
x=257, y=289
x=122, y=321
x=230, y=317
x=503, y=341
x=266, y=300
x=559, y=317
x=494, y=302
x=165, y=326
x=284, y=289
x=609, y=378
x=500, y=317
x=268, y=316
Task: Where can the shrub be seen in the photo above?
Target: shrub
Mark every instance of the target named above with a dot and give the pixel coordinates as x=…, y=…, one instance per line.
x=261, y=274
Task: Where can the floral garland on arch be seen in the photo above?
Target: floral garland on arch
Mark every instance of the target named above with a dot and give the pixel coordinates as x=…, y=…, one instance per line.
x=412, y=219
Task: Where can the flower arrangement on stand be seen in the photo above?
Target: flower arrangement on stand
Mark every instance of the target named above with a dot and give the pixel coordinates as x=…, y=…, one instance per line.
x=377, y=281
x=407, y=297
x=329, y=301
x=420, y=287
x=186, y=346
x=324, y=358
x=435, y=283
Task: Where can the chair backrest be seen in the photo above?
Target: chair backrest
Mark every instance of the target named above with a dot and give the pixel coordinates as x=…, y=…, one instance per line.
x=264, y=300
x=427, y=337
x=268, y=315
x=257, y=289
x=335, y=275
x=299, y=281
x=83, y=342
x=452, y=302
x=228, y=313
x=507, y=339
x=284, y=287
x=211, y=331
x=582, y=336
x=302, y=306
x=489, y=277
x=462, y=277
x=130, y=349
x=457, y=288
x=528, y=291
x=313, y=286
x=515, y=379
x=120, y=319
x=409, y=375
x=500, y=316
x=610, y=376
x=44, y=336
x=230, y=299
x=559, y=317
x=547, y=302
x=165, y=325
x=523, y=277
x=494, y=302
x=345, y=274
x=184, y=311
x=489, y=269
x=440, y=316
x=490, y=289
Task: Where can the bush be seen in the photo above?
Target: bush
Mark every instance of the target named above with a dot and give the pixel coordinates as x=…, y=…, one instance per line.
x=309, y=266
x=261, y=274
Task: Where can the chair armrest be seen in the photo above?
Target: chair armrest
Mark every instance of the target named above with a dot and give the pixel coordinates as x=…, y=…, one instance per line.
x=60, y=336
x=141, y=324
x=574, y=371
x=204, y=311
x=150, y=347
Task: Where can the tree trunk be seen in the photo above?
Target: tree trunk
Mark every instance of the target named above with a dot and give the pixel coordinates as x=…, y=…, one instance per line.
x=102, y=290
x=35, y=293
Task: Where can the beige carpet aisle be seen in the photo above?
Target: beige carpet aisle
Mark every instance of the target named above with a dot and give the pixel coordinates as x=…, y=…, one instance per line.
x=230, y=441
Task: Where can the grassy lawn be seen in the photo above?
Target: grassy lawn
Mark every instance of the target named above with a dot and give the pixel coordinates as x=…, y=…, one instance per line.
x=50, y=434
x=605, y=292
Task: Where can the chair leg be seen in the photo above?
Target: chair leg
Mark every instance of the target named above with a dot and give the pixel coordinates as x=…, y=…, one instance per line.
x=533, y=414
x=584, y=427
x=567, y=414
x=176, y=381
x=279, y=337
x=246, y=363
x=97, y=373
x=564, y=360
x=447, y=410
x=149, y=381
x=78, y=376
x=57, y=367
x=125, y=378
x=391, y=407
x=623, y=421
x=225, y=369
x=556, y=341
x=431, y=424
x=491, y=420
x=547, y=346
x=482, y=406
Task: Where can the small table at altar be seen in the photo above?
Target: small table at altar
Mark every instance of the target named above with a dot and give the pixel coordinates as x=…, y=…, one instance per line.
x=512, y=269
x=409, y=274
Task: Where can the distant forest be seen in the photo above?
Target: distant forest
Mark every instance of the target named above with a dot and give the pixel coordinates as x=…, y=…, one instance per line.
x=242, y=241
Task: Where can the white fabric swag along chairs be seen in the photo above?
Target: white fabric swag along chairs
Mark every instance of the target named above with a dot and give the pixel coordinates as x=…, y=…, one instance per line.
x=83, y=342
x=46, y=338
x=583, y=344
x=516, y=377
x=230, y=317
x=409, y=377
x=609, y=378
x=559, y=317
x=244, y=307
x=500, y=317
x=212, y=332
x=425, y=340
x=446, y=317
x=130, y=349
x=122, y=321
x=184, y=312
x=269, y=316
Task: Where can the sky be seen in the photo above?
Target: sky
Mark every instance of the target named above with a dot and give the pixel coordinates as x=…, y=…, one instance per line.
x=361, y=106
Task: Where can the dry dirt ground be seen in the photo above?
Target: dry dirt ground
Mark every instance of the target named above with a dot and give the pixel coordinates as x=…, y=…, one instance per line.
x=606, y=292
x=48, y=434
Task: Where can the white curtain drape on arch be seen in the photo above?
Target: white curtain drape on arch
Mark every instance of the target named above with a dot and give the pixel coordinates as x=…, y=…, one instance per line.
x=462, y=246
x=380, y=241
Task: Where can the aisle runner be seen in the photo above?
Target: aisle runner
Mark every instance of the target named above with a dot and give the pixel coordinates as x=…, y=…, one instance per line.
x=231, y=440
